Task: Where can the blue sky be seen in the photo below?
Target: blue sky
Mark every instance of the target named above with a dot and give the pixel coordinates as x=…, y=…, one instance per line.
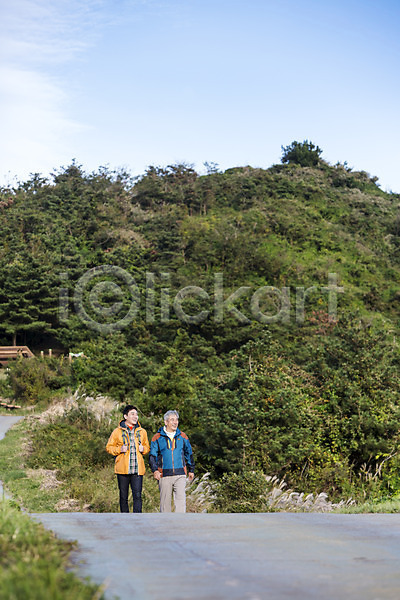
x=133, y=83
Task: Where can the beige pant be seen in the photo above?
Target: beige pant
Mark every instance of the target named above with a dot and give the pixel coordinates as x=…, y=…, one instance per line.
x=173, y=485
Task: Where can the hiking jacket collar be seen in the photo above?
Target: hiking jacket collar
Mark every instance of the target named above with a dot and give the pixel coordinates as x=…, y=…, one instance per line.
x=162, y=432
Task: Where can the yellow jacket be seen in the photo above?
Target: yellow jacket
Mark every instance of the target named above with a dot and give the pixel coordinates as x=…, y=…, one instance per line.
x=120, y=437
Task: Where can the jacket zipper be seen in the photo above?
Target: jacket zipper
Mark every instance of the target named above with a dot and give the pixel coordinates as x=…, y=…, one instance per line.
x=172, y=451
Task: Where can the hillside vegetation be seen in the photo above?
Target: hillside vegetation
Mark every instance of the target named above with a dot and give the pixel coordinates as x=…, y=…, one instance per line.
x=261, y=303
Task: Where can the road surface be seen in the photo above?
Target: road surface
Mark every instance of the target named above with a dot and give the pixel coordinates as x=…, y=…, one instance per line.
x=275, y=556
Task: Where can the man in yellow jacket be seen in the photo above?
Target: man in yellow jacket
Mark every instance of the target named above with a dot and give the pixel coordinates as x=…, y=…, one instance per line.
x=128, y=442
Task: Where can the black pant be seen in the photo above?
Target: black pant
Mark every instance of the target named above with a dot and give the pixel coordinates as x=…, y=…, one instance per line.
x=136, y=482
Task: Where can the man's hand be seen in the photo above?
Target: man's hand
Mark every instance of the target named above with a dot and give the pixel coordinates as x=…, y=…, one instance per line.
x=124, y=448
x=141, y=448
x=191, y=477
x=157, y=475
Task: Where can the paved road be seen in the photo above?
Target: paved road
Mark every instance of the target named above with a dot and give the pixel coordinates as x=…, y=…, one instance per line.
x=276, y=556
x=6, y=423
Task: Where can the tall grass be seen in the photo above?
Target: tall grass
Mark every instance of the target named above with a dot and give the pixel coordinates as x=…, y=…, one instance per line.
x=384, y=506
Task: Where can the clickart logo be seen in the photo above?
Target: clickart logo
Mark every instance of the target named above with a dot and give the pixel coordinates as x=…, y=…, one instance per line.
x=107, y=298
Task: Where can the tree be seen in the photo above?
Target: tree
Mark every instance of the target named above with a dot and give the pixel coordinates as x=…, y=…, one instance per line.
x=262, y=412
x=358, y=373
x=162, y=186
x=28, y=296
x=305, y=154
x=173, y=386
x=108, y=365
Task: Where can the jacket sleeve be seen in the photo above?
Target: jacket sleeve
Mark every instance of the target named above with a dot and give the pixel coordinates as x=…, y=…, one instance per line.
x=145, y=442
x=114, y=443
x=187, y=449
x=153, y=458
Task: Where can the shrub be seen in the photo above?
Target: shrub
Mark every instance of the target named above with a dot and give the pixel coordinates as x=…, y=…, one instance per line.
x=33, y=380
x=109, y=366
x=240, y=493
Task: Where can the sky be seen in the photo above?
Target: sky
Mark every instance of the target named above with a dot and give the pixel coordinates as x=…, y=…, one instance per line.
x=126, y=84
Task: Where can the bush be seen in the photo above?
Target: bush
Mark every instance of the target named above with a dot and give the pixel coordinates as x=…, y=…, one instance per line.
x=109, y=366
x=241, y=493
x=33, y=380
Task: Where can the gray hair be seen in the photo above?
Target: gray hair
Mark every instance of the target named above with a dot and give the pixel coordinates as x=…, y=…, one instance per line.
x=171, y=413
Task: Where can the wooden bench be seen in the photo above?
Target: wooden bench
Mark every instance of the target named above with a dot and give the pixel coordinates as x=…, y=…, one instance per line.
x=7, y=352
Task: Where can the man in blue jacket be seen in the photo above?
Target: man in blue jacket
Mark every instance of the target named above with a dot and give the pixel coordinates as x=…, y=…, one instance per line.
x=171, y=459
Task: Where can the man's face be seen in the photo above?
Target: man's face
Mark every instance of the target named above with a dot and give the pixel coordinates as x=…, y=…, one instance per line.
x=172, y=423
x=131, y=418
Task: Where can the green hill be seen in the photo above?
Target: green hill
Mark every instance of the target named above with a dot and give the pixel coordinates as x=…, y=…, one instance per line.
x=263, y=304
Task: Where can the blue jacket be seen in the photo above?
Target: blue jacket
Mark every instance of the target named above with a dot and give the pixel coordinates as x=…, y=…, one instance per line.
x=171, y=458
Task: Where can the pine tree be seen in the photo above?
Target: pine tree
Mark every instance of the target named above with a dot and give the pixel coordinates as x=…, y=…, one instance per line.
x=28, y=300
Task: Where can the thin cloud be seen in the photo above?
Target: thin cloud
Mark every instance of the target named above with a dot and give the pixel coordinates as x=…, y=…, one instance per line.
x=41, y=31
x=41, y=36
x=33, y=121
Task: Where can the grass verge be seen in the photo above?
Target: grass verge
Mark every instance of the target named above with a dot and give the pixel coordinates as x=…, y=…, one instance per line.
x=383, y=506
x=28, y=492
x=34, y=562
